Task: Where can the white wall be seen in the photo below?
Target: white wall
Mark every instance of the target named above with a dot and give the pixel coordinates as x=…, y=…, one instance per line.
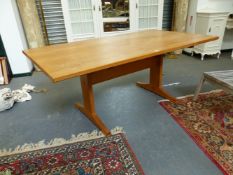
x=13, y=37
x=202, y=4
x=221, y=5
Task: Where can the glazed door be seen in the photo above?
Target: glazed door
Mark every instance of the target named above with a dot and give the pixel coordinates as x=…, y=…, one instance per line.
x=86, y=19
x=149, y=14
x=116, y=16
x=80, y=19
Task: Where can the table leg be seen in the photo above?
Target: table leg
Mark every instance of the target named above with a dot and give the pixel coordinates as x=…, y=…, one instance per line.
x=155, y=84
x=88, y=108
x=199, y=88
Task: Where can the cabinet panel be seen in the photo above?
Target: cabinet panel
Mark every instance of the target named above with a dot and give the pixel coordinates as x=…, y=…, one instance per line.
x=216, y=28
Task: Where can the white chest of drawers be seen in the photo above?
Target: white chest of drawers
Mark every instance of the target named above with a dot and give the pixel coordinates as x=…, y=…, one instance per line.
x=210, y=22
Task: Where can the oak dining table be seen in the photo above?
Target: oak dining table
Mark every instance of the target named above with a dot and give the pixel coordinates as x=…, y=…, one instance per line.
x=101, y=59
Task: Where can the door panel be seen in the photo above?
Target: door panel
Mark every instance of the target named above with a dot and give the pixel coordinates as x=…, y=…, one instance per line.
x=80, y=19
x=148, y=14
x=216, y=29
x=116, y=16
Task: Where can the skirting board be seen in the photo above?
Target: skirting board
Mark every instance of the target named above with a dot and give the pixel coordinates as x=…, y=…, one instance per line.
x=23, y=74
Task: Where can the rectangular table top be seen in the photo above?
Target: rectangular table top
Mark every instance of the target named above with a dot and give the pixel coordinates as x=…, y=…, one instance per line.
x=64, y=61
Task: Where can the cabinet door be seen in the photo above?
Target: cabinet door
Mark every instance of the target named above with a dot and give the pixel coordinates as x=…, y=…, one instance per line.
x=217, y=28
x=149, y=14
x=80, y=19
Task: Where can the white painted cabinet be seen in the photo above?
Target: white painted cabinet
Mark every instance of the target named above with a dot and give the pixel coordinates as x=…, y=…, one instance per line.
x=97, y=18
x=210, y=22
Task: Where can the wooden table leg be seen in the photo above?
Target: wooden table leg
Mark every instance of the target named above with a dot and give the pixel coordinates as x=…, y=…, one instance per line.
x=155, y=84
x=88, y=108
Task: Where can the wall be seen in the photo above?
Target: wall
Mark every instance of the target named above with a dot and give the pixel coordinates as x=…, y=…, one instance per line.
x=13, y=37
x=220, y=5
x=201, y=4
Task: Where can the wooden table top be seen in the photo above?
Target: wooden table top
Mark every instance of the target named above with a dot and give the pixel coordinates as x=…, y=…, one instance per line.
x=64, y=61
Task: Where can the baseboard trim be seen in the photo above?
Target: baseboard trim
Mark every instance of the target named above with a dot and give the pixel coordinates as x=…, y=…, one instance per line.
x=23, y=74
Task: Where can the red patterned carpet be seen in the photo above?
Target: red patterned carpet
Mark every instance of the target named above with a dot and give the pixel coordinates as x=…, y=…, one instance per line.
x=105, y=155
x=209, y=122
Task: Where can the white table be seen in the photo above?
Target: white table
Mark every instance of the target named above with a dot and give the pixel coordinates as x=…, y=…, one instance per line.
x=222, y=79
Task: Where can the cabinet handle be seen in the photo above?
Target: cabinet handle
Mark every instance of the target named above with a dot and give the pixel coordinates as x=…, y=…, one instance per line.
x=136, y=5
x=94, y=7
x=210, y=29
x=191, y=20
x=100, y=8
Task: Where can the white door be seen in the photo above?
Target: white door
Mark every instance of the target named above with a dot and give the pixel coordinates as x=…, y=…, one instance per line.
x=116, y=16
x=86, y=19
x=80, y=19
x=149, y=14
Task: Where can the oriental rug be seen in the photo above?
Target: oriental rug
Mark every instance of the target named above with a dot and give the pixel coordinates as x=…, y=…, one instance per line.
x=209, y=122
x=98, y=155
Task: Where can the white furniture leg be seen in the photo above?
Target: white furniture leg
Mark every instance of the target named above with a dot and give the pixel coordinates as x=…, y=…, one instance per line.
x=199, y=87
x=219, y=53
x=193, y=53
x=202, y=57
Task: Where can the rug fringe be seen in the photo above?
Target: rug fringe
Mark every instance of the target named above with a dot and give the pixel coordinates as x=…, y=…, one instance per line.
x=190, y=95
x=58, y=142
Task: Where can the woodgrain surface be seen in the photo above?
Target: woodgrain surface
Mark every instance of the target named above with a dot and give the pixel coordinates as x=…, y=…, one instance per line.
x=69, y=60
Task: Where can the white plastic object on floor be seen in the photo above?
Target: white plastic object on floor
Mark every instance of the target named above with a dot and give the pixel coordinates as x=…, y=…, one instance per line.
x=8, y=97
x=6, y=100
x=1, y=80
x=21, y=96
x=28, y=88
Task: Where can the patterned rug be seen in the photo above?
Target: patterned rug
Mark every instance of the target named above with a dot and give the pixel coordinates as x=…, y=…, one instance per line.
x=100, y=156
x=209, y=122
